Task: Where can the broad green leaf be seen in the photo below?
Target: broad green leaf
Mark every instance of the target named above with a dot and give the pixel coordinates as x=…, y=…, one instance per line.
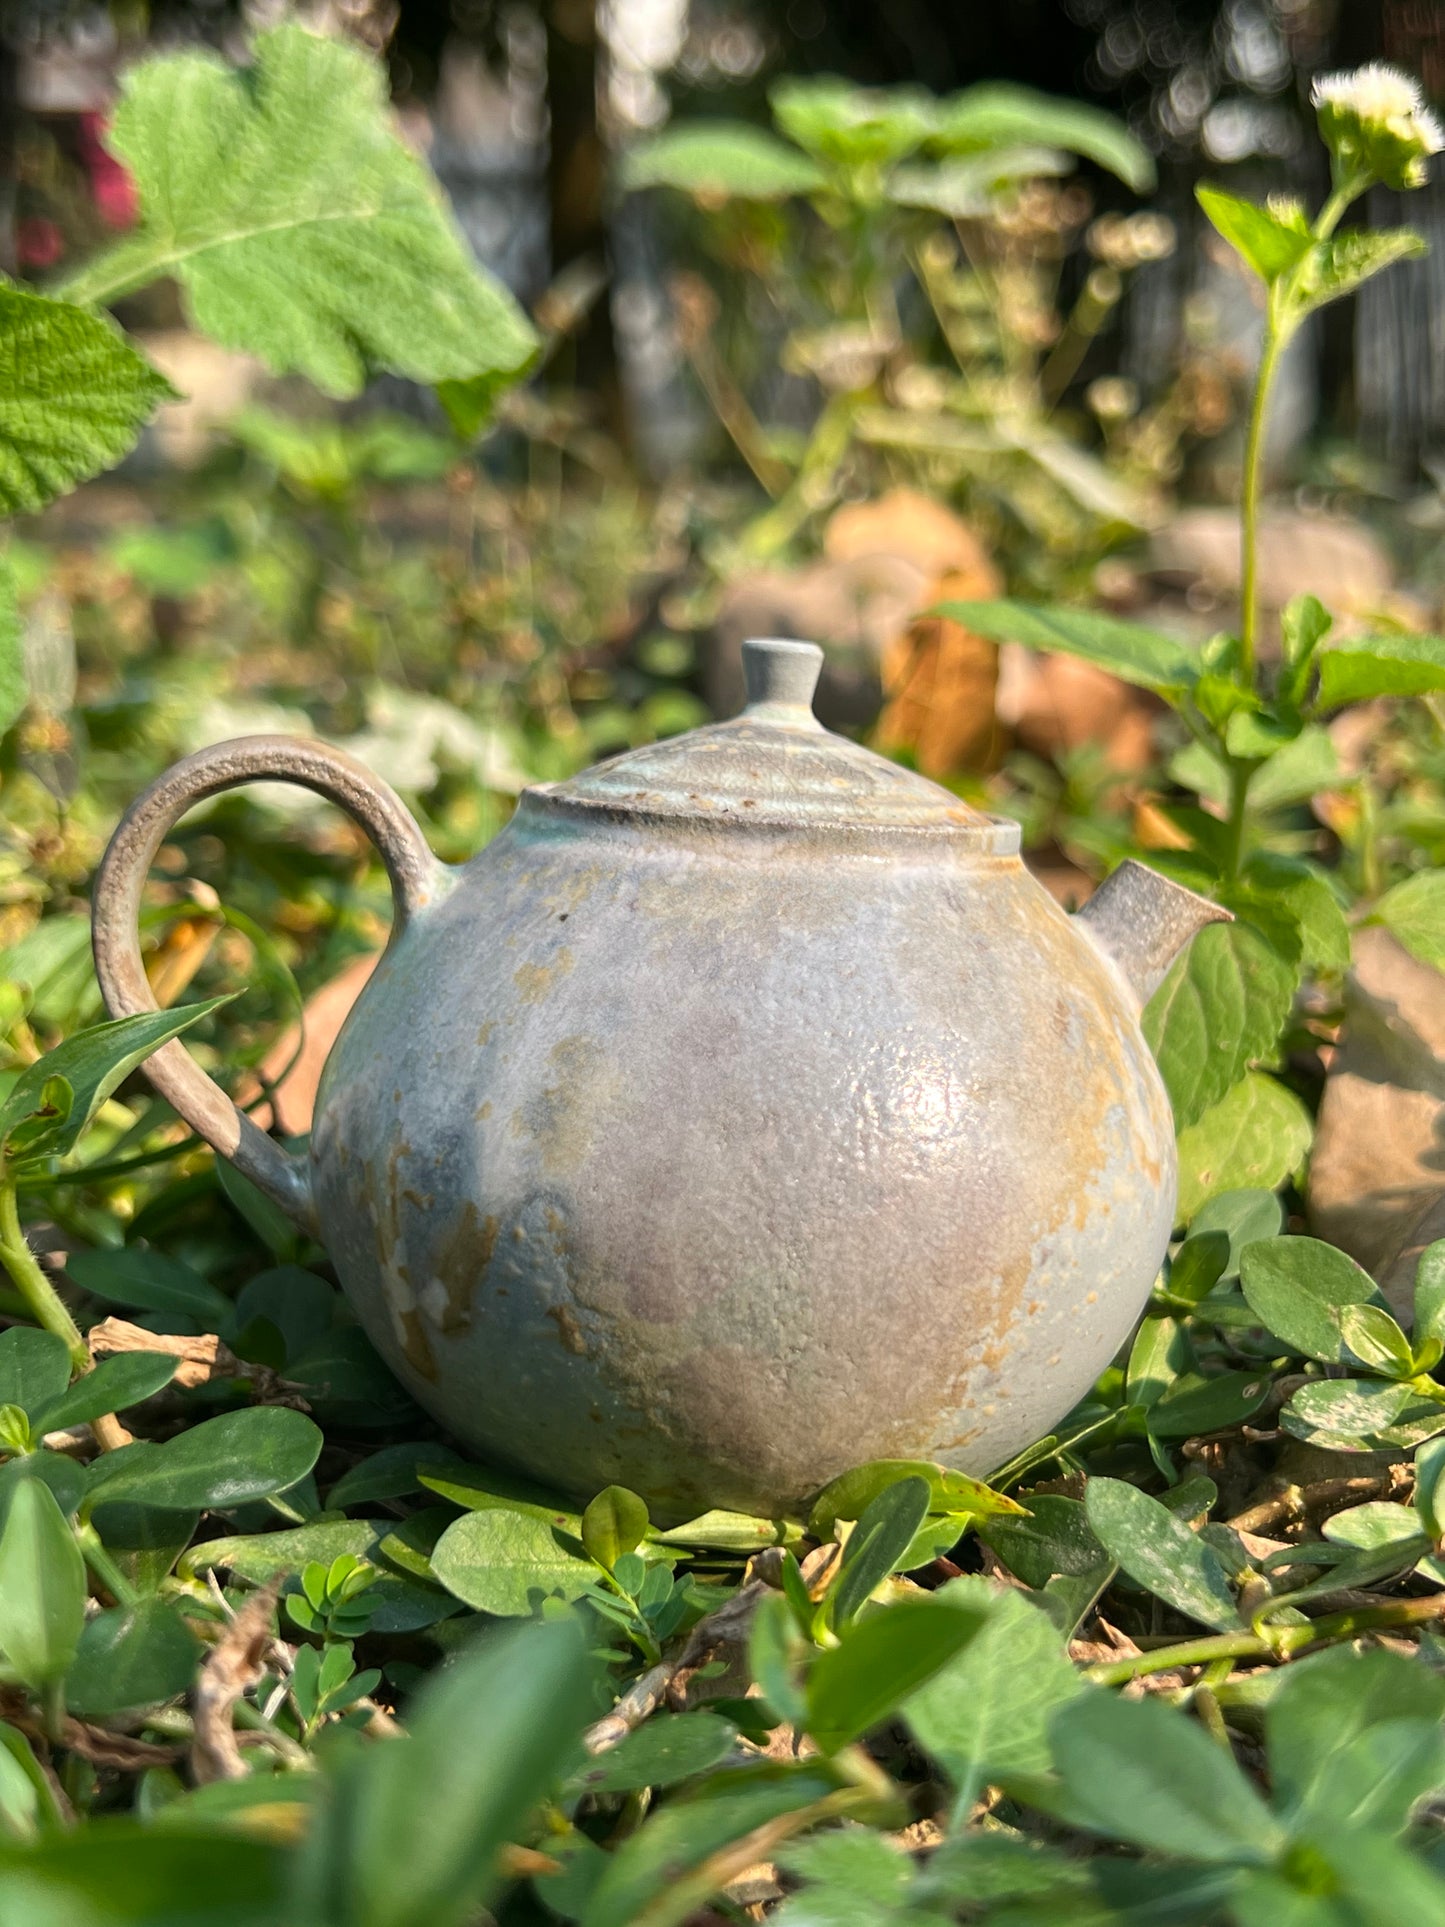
x=131, y=1656
x=1430, y=1293
x=881, y=1661
x=849, y=1495
x=1243, y=1216
x=1055, y=1538
x=729, y=1532
x=1270, y=239
x=997, y=113
x=1339, y=265
x=507, y=1562
x=1377, y=1525
x=300, y=227
x=1254, y=1138
x=1362, y=1415
x=777, y=1648
x=647, y=1877
x=668, y=1748
x=34, y=1368
x=1220, y=1010
x=391, y=1473
x=135, y=1276
x=54, y=1099
x=64, y=1476
x=1198, y=1266
x=1194, y=1404
x=1366, y=666
x=965, y=188
x=615, y=1522
x=263, y=1556
x=853, y=126
x=720, y=160
x=1159, y=1551
x=876, y=1546
x=123, y=1379
x=220, y=1463
x=145, y=1544
x=1373, y=1337
x=1126, y=650
x=1295, y=907
x=1159, y=1353
x=1414, y=912
x=74, y=395
x=112, y=1873
x=347, y=1383
x=1297, y=1285
x=28, y=1802
x=414, y=1833
x=1371, y=1881
x=14, y=688
x=855, y=1878
x=1430, y=1488
x=985, y=1713
x=480, y=1489
x=1293, y=774
x=300, y=1305
x=1142, y=1772
x=42, y=1585
x=1324, y=1707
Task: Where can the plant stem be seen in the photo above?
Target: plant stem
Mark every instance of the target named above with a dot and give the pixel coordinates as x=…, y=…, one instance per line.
x=1240, y=777
x=41, y=1298
x=104, y=1567
x=1249, y=496
x=1287, y=1642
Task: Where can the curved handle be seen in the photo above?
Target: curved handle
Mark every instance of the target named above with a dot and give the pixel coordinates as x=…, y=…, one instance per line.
x=417, y=878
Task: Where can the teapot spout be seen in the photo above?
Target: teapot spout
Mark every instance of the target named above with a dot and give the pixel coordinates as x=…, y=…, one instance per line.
x=1141, y=921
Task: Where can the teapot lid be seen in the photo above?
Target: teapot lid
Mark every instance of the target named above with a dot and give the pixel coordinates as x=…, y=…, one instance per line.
x=774, y=766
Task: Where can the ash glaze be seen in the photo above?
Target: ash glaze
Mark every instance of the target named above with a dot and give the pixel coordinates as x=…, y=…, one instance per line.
x=743, y=1112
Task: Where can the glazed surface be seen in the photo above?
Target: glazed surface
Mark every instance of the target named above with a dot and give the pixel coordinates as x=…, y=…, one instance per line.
x=713, y=1165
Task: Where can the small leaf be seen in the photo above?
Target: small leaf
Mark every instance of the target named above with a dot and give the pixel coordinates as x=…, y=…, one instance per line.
x=848, y=1496
x=1362, y=1415
x=42, y=1586
x=1198, y=1266
x=1220, y=1010
x=1414, y=912
x=777, y=1650
x=1297, y=1287
x=1160, y=1552
x=129, y=1657
x=724, y=1531
x=1137, y=1771
x=1159, y=1353
x=1194, y=1405
x=74, y=395
x=719, y=161
x=852, y=126
x=1126, y=650
x=876, y=1546
x=220, y=1463
x=1356, y=670
x=1255, y=1137
x=615, y=1522
x=1339, y=265
x=123, y=1379
x=507, y=1562
x=996, y=113
x=135, y=1276
x=14, y=684
x=1430, y=1488
x=880, y=1661
x=1243, y=1216
x=1430, y=1293
x=669, y=1748
x=34, y=1368
x=1376, y=1525
x=1315, y=1722
x=1270, y=239
x=1376, y=1340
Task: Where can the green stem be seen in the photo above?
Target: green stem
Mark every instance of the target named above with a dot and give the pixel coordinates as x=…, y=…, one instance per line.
x=1249, y=497
x=41, y=1298
x=104, y=1567
x=1240, y=777
x=52, y=1710
x=1286, y=1642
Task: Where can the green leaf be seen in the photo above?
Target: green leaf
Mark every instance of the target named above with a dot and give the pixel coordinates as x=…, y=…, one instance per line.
x=1156, y=1358
x=112, y=1873
x=220, y=1463
x=777, y=1649
x=64, y=1476
x=414, y=1834
x=615, y=1522
x=720, y=160
x=74, y=395
x=1376, y=1526
x=1295, y=907
x=299, y=226
x=1430, y=1489
x=985, y=1713
x=487, y=1490
x=876, y=1545
x=1198, y=1266
x=1243, y=1216
x=881, y=1661
x=1160, y=1552
x=1255, y=1137
x=1126, y=650
x=1373, y=1337
x=123, y=1379
x=14, y=686
x=853, y=127
x=135, y=1276
x=1141, y=1772
x=507, y=1562
x=997, y=113
x=1365, y=666
x=965, y=188
x=42, y=1586
x=725, y=1531
x=391, y=1473
x=1270, y=239
x=1220, y=1010
x=34, y=1368
x=669, y=1748
x=1414, y=912
x=131, y=1656
x=1324, y=1707
x=1339, y=265
x=54, y=1099
x=1297, y=1285
x=849, y=1495
x=1362, y=1415
x=1194, y=1405
x=1430, y=1293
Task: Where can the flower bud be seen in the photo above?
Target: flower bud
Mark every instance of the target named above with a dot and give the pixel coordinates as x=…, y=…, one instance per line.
x=1375, y=122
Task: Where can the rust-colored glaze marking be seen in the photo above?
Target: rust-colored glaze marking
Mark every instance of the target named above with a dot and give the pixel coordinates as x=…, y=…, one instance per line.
x=535, y=981
x=568, y=1330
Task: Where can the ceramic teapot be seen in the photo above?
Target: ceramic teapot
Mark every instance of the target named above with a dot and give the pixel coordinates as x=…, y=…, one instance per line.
x=742, y=1112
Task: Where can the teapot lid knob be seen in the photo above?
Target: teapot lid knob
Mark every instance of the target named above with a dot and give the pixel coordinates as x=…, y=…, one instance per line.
x=780, y=677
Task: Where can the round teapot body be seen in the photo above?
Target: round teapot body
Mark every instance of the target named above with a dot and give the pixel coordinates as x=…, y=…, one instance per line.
x=713, y=1164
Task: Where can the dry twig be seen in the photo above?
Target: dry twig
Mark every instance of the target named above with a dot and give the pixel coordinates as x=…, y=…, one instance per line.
x=235, y=1662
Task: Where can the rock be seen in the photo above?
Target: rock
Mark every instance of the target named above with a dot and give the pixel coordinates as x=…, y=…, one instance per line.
x=1330, y=556
x=1057, y=703
x=1378, y=1170
x=908, y=523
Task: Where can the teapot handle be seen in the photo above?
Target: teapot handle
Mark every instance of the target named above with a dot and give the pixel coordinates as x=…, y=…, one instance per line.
x=417, y=879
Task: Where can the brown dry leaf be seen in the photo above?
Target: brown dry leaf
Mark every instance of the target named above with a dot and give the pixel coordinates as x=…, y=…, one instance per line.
x=233, y=1664
x=940, y=681
x=201, y=1357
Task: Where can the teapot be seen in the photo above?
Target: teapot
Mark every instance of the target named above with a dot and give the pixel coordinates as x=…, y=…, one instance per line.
x=742, y=1112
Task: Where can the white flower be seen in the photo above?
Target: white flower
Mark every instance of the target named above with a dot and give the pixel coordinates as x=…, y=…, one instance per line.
x=1376, y=120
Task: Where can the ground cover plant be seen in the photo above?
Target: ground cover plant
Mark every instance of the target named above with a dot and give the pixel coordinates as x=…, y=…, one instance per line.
x=271, y=1651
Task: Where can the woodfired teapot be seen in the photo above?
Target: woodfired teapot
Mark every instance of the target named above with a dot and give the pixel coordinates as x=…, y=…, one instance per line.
x=743, y=1112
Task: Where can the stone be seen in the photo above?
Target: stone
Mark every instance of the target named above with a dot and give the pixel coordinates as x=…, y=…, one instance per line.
x=1331, y=556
